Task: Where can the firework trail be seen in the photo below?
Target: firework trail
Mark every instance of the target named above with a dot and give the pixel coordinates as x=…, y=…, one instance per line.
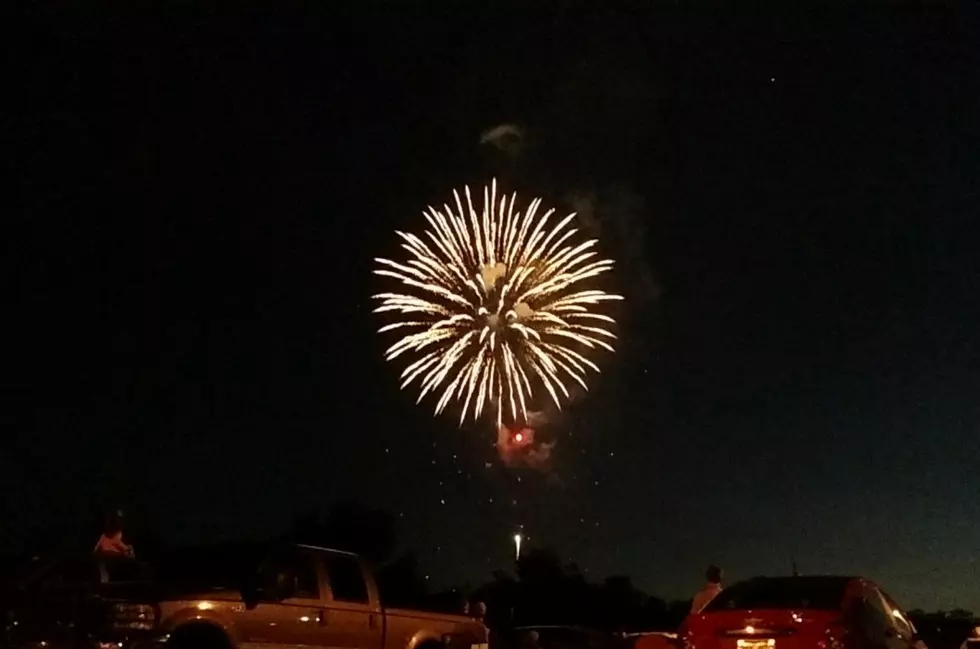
x=493, y=307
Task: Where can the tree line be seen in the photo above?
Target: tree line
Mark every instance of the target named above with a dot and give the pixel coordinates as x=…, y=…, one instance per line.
x=542, y=590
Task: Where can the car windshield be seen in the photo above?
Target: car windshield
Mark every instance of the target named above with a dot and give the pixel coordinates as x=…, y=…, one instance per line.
x=782, y=593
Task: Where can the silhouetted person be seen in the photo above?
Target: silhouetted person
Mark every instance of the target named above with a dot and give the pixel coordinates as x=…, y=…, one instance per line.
x=709, y=591
x=478, y=611
x=111, y=542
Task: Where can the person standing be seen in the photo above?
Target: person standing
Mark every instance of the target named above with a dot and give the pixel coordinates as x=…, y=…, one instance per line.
x=710, y=590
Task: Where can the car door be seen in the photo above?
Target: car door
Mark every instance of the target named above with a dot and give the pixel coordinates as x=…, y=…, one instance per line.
x=295, y=621
x=354, y=616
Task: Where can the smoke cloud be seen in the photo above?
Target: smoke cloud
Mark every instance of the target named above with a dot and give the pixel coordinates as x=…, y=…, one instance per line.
x=519, y=448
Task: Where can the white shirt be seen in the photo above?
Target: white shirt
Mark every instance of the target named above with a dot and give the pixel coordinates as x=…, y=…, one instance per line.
x=704, y=597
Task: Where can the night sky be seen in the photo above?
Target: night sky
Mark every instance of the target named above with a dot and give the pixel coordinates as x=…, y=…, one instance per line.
x=790, y=197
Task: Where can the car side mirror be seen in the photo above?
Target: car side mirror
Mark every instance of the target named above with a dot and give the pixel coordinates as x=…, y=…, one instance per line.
x=250, y=600
x=251, y=591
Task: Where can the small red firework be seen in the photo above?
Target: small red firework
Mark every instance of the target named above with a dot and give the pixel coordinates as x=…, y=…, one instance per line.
x=517, y=449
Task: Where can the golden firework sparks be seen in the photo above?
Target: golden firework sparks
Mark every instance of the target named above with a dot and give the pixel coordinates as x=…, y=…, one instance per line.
x=493, y=308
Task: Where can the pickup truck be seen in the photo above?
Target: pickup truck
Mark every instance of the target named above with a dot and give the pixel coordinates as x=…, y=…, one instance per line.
x=223, y=598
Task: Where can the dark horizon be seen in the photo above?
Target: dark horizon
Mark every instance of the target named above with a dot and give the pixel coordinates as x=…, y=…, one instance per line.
x=789, y=197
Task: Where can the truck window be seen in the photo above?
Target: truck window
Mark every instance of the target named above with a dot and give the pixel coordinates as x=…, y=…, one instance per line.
x=295, y=567
x=346, y=579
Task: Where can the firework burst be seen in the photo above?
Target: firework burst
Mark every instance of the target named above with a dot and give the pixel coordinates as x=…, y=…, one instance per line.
x=494, y=308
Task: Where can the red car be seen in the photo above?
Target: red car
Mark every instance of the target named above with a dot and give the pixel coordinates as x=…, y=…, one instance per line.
x=800, y=613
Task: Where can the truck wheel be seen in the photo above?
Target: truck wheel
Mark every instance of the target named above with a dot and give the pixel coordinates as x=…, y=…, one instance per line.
x=198, y=636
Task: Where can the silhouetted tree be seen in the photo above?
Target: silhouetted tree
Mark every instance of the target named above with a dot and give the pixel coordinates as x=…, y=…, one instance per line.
x=148, y=543
x=943, y=629
x=540, y=566
x=371, y=533
x=546, y=594
x=448, y=601
x=401, y=582
x=654, y=616
x=677, y=610
x=350, y=526
x=500, y=596
x=620, y=603
x=546, y=591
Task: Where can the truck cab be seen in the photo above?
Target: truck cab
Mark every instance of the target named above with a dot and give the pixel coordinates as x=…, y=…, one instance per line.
x=306, y=595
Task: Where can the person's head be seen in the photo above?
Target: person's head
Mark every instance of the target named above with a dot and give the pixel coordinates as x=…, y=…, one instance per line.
x=714, y=574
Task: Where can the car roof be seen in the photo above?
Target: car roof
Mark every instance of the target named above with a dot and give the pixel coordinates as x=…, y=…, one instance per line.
x=837, y=580
x=832, y=578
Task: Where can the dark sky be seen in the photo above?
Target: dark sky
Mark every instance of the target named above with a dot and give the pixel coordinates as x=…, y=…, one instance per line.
x=791, y=198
